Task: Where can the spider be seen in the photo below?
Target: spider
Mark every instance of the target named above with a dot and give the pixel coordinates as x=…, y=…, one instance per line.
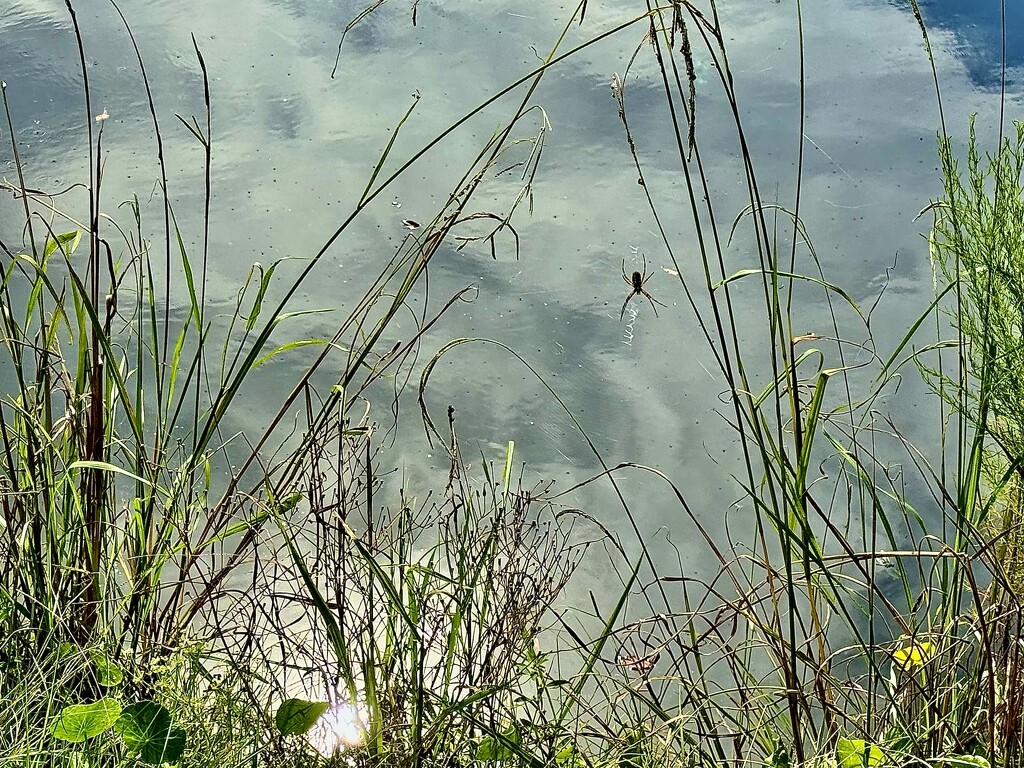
x=637, y=283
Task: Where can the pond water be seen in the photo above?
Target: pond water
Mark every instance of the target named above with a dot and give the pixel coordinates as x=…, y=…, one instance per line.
x=293, y=149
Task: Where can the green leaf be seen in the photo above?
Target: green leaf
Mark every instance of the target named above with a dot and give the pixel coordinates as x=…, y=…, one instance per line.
x=568, y=757
x=297, y=716
x=147, y=729
x=79, y=722
x=288, y=348
x=633, y=755
x=66, y=650
x=6, y=605
x=67, y=243
x=857, y=753
x=108, y=467
x=780, y=756
x=966, y=761
x=107, y=672
x=506, y=475
x=498, y=747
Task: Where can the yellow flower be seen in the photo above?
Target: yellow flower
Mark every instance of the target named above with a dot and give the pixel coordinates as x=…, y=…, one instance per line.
x=913, y=656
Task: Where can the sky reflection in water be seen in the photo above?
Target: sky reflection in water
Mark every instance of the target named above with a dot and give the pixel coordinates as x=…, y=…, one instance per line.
x=978, y=28
x=293, y=149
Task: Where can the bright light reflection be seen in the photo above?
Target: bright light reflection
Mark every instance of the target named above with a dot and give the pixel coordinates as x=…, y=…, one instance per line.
x=341, y=726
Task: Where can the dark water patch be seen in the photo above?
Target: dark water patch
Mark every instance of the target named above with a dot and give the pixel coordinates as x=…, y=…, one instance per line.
x=977, y=29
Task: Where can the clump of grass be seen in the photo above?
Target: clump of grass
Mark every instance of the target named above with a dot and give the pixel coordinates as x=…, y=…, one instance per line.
x=114, y=539
x=428, y=618
x=855, y=629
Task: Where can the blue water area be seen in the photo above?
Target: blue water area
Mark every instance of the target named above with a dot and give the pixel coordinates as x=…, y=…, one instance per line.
x=977, y=26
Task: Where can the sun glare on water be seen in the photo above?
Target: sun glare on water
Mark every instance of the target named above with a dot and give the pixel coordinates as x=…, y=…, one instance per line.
x=341, y=726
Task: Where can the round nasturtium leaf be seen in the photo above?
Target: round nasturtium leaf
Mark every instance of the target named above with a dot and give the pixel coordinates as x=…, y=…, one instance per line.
x=107, y=672
x=297, y=716
x=79, y=722
x=147, y=728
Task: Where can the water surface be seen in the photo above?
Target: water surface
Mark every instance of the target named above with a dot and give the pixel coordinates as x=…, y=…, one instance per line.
x=293, y=149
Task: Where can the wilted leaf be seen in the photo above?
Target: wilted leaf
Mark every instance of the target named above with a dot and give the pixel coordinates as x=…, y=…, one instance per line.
x=642, y=665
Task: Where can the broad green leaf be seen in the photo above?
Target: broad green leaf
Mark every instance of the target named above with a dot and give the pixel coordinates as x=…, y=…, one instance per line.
x=107, y=672
x=67, y=242
x=79, y=722
x=297, y=716
x=857, y=753
x=147, y=729
x=189, y=278
x=498, y=748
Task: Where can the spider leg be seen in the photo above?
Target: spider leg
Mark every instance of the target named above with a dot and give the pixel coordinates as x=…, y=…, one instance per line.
x=624, y=275
x=653, y=301
x=622, y=312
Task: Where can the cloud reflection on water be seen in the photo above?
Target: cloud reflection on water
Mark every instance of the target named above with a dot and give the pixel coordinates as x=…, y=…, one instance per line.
x=293, y=149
